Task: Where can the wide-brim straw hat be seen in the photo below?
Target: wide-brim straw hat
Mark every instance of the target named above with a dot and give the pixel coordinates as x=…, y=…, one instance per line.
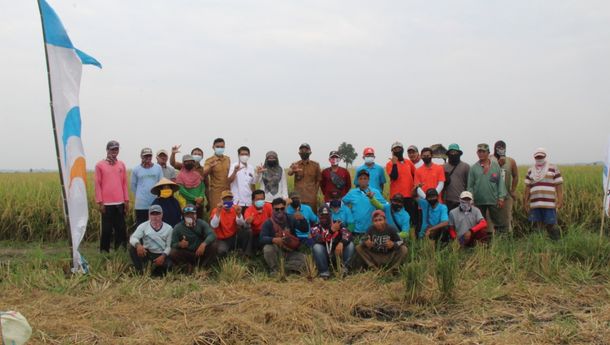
x=164, y=182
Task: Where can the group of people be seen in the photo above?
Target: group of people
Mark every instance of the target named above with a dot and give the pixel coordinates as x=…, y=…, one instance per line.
x=195, y=211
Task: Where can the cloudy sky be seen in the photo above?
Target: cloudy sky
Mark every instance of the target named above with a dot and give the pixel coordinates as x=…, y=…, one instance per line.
x=273, y=74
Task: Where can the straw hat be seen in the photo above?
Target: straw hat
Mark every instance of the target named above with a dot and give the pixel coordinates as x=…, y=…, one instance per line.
x=163, y=182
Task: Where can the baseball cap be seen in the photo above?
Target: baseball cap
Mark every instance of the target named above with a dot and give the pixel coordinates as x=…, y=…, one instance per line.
x=161, y=152
x=363, y=172
x=368, y=151
x=305, y=146
x=540, y=152
x=412, y=148
x=483, y=147
x=226, y=194
x=397, y=197
x=324, y=210
x=397, y=144
x=147, y=151
x=187, y=157
x=155, y=208
x=190, y=208
x=378, y=213
x=112, y=144
x=432, y=193
x=334, y=154
x=466, y=194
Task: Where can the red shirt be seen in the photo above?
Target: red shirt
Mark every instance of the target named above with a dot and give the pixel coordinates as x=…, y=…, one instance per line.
x=404, y=183
x=327, y=186
x=228, y=223
x=430, y=176
x=259, y=216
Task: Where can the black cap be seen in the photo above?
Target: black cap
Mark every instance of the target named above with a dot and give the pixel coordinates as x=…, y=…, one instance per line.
x=112, y=144
x=363, y=172
x=431, y=193
x=397, y=197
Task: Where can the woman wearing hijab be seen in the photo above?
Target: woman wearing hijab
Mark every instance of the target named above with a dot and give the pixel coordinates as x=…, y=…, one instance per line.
x=191, y=187
x=272, y=178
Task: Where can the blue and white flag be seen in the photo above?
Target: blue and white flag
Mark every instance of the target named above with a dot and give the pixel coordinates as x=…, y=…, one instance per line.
x=605, y=176
x=65, y=68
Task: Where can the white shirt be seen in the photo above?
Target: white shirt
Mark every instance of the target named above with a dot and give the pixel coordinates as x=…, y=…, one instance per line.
x=241, y=186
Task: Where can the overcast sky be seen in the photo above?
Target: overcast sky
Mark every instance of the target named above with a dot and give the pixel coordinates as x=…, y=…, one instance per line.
x=274, y=74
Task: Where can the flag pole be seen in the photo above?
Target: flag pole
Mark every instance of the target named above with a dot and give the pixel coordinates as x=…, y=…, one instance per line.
x=61, y=176
x=606, y=191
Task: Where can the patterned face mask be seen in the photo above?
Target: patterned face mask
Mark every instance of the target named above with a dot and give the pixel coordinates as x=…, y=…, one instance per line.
x=465, y=205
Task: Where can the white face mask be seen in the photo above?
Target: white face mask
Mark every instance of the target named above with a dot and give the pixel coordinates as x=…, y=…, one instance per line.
x=540, y=162
x=197, y=158
x=369, y=160
x=244, y=158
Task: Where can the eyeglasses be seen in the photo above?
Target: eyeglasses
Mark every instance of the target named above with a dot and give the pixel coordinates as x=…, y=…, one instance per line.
x=155, y=213
x=279, y=209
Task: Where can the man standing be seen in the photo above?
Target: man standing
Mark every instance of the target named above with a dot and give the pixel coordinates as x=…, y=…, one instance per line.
x=510, y=172
x=402, y=181
x=241, y=178
x=375, y=171
x=456, y=177
x=193, y=241
x=169, y=172
x=414, y=157
x=307, y=177
x=543, y=194
x=112, y=197
x=363, y=201
x=466, y=222
x=487, y=186
x=143, y=179
x=217, y=169
x=151, y=242
x=278, y=238
x=335, y=178
x=429, y=175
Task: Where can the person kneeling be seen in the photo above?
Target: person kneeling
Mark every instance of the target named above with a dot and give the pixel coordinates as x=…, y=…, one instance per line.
x=382, y=246
x=151, y=242
x=330, y=237
x=466, y=222
x=193, y=241
x=279, y=238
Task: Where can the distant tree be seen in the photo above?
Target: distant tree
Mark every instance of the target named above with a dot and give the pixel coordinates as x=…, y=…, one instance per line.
x=348, y=153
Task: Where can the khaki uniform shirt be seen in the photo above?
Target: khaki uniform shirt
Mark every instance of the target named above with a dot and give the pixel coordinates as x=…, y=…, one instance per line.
x=307, y=182
x=219, y=179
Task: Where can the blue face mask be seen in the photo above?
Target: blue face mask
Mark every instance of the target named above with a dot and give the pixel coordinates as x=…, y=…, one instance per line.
x=259, y=203
x=219, y=151
x=227, y=204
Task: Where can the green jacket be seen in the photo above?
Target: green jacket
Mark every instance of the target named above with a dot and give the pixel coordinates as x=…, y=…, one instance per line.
x=202, y=232
x=487, y=188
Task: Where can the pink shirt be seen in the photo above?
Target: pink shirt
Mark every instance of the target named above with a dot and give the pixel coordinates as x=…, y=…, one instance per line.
x=111, y=183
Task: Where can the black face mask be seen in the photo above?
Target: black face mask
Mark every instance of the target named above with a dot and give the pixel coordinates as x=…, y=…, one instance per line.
x=189, y=166
x=400, y=155
x=433, y=202
x=396, y=207
x=454, y=159
x=304, y=155
x=427, y=160
x=272, y=163
x=335, y=203
x=296, y=204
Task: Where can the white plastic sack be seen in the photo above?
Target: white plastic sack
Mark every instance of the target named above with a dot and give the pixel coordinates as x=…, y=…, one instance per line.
x=15, y=328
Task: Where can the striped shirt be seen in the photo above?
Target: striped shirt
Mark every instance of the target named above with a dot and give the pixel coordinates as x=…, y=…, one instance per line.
x=543, y=194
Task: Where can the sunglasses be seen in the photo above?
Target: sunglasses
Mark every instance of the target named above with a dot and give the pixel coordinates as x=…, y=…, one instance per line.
x=155, y=213
x=279, y=209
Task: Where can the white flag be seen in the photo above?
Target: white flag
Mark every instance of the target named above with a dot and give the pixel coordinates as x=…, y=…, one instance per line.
x=65, y=67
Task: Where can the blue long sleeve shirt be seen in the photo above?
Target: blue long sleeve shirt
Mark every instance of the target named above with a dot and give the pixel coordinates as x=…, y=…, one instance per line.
x=142, y=180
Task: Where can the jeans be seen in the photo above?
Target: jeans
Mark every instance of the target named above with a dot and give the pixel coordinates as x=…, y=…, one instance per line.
x=113, y=221
x=320, y=255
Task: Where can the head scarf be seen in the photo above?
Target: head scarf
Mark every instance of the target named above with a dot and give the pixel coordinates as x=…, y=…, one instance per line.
x=189, y=179
x=539, y=171
x=272, y=175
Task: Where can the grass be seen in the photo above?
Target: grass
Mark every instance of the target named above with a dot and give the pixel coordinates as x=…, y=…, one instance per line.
x=522, y=290
x=31, y=206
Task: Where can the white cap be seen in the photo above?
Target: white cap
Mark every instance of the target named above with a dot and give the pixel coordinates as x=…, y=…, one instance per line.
x=466, y=194
x=539, y=151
